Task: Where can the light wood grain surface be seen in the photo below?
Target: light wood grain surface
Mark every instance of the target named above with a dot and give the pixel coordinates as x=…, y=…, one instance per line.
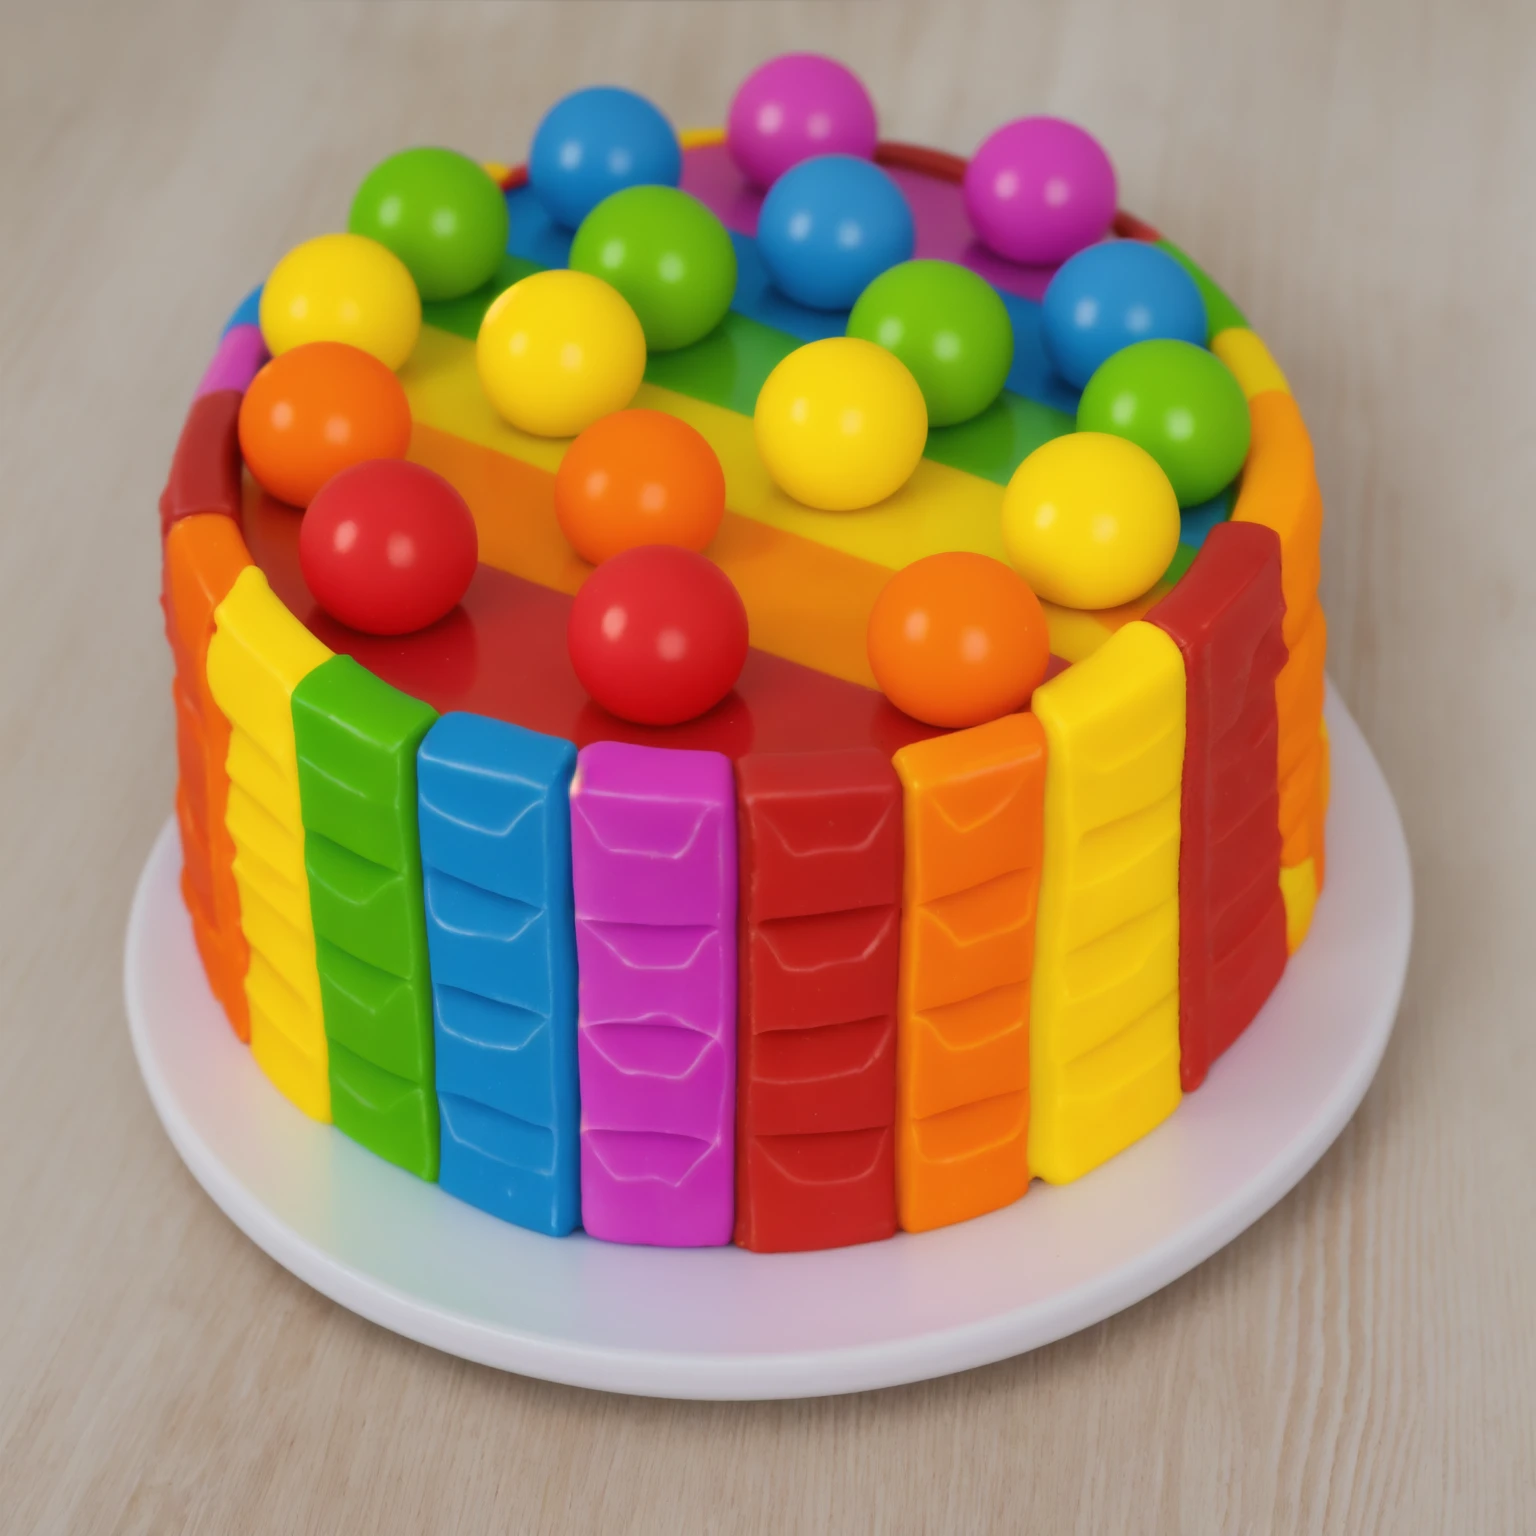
x=1361, y=177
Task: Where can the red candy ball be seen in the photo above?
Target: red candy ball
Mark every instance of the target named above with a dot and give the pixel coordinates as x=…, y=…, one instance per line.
x=388, y=547
x=658, y=635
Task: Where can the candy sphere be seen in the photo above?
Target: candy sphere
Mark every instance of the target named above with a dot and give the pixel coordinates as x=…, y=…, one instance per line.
x=657, y=635
x=1039, y=189
x=1179, y=402
x=557, y=350
x=948, y=326
x=1111, y=296
x=342, y=288
x=440, y=213
x=316, y=411
x=638, y=477
x=595, y=142
x=796, y=106
x=840, y=424
x=669, y=256
x=958, y=639
x=829, y=227
x=1090, y=521
x=388, y=547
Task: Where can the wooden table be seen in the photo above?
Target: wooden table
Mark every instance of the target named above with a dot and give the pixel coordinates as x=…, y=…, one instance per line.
x=1363, y=1359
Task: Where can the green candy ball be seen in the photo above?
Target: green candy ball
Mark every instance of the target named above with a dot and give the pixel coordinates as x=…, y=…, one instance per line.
x=948, y=326
x=1181, y=404
x=440, y=213
x=669, y=256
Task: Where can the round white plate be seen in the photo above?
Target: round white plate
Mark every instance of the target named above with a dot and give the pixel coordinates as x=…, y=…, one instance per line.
x=723, y=1323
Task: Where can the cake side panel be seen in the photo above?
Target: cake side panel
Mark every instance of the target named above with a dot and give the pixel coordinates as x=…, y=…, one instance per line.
x=1279, y=490
x=496, y=855
x=1225, y=617
x=1320, y=804
x=240, y=356
x=820, y=858
x=205, y=468
x=258, y=655
x=356, y=741
x=202, y=558
x=973, y=829
x=1104, y=1042
x=1249, y=360
x=653, y=859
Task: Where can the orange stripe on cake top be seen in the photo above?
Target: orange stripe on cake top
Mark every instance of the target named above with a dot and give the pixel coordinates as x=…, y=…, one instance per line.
x=805, y=602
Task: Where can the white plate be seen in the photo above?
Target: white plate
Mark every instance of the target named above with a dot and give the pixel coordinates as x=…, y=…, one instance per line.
x=723, y=1323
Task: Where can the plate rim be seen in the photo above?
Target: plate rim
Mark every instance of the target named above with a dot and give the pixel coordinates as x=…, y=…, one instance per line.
x=853, y=1367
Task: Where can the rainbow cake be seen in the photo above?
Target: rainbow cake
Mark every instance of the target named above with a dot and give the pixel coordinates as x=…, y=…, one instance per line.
x=759, y=685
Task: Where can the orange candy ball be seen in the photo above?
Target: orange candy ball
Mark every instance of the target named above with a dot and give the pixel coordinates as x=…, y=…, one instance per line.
x=317, y=410
x=958, y=639
x=638, y=477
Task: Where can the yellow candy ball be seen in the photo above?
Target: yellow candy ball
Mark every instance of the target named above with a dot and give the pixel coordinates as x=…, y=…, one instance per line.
x=342, y=288
x=840, y=424
x=558, y=350
x=1090, y=520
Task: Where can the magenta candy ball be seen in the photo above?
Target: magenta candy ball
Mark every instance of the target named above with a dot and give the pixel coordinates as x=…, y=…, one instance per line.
x=796, y=106
x=1039, y=190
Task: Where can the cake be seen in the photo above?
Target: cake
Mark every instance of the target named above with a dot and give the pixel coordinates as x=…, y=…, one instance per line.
x=802, y=969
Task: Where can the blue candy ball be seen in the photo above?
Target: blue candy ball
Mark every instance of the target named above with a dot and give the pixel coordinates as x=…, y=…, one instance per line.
x=597, y=142
x=1110, y=296
x=829, y=227
x=249, y=312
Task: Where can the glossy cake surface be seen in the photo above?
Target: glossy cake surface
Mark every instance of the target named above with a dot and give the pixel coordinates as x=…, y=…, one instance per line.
x=802, y=970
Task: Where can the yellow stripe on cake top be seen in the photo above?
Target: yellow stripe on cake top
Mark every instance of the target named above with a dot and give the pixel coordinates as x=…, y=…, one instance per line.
x=258, y=655
x=938, y=510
